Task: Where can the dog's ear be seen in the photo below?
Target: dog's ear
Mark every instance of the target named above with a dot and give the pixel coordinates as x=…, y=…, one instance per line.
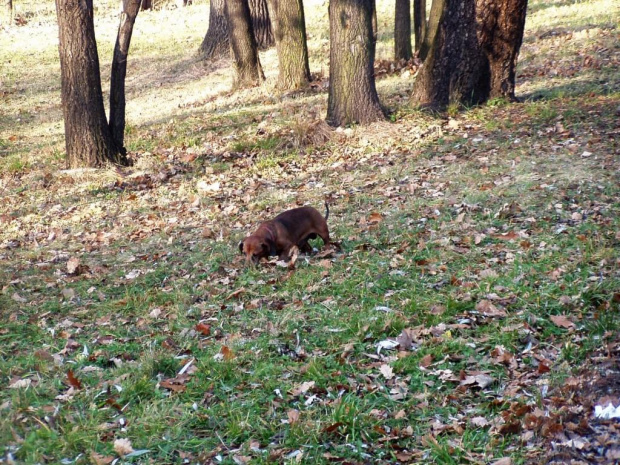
x=269, y=247
x=241, y=247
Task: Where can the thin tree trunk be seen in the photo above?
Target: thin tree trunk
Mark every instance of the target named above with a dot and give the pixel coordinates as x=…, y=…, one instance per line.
x=289, y=26
x=119, y=70
x=402, y=30
x=244, y=51
x=352, y=96
x=419, y=22
x=87, y=135
x=147, y=4
x=431, y=28
x=215, y=44
x=261, y=24
x=8, y=13
x=500, y=33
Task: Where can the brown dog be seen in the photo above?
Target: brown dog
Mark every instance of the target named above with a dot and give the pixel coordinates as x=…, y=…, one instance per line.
x=292, y=227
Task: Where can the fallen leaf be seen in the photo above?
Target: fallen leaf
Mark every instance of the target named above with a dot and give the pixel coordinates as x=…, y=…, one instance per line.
x=562, y=321
x=73, y=266
x=203, y=329
x=486, y=308
x=293, y=416
x=227, y=353
x=481, y=380
x=386, y=371
x=426, y=361
x=122, y=446
x=375, y=218
x=481, y=422
x=99, y=459
x=503, y=461
x=73, y=381
x=20, y=383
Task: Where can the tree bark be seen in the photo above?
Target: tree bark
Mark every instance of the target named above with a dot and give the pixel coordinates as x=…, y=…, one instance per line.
x=289, y=26
x=454, y=70
x=87, y=135
x=119, y=70
x=500, y=33
x=261, y=24
x=432, y=26
x=473, y=53
x=147, y=4
x=352, y=96
x=402, y=30
x=215, y=44
x=419, y=22
x=247, y=69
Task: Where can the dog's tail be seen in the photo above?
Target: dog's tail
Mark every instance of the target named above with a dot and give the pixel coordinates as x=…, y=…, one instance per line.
x=326, y=210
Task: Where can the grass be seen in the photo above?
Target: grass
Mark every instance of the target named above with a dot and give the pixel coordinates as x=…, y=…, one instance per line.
x=193, y=357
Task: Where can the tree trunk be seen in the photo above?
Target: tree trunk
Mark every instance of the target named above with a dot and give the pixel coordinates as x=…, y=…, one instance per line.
x=454, y=70
x=244, y=51
x=8, y=13
x=261, y=24
x=402, y=30
x=289, y=26
x=147, y=4
x=431, y=28
x=119, y=70
x=215, y=44
x=87, y=135
x=473, y=54
x=419, y=22
x=500, y=33
x=352, y=96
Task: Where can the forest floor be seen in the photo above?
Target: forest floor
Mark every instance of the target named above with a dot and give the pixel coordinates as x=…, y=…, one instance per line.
x=471, y=315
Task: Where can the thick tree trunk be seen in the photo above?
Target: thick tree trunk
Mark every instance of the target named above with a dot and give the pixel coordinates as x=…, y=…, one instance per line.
x=289, y=26
x=87, y=135
x=215, y=44
x=473, y=54
x=454, y=70
x=119, y=70
x=261, y=24
x=500, y=33
x=147, y=4
x=402, y=30
x=419, y=22
x=244, y=51
x=352, y=96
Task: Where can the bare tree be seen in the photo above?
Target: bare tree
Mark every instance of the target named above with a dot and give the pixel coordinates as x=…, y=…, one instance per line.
x=289, y=26
x=7, y=17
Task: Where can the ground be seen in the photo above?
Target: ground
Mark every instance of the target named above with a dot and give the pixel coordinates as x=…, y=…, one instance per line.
x=471, y=314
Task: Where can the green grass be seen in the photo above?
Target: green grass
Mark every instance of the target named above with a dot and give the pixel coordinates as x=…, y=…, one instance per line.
x=507, y=206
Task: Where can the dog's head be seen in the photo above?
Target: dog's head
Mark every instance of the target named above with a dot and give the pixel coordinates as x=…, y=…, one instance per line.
x=255, y=248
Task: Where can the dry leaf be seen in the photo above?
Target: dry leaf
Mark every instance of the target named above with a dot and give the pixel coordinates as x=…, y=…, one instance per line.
x=562, y=321
x=293, y=416
x=375, y=218
x=20, y=383
x=503, y=461
x=426, y=361
x=123, y=447
x=73, y=381
x=73, y=266
x=99, y=459
x=203, y=329
x=386, y=371
x=227, y=353
x=486, y=308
